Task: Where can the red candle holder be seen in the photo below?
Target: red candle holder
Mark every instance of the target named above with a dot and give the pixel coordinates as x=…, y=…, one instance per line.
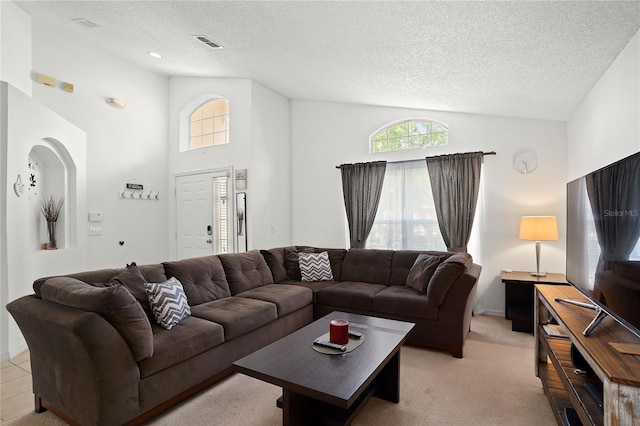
x=339, y=332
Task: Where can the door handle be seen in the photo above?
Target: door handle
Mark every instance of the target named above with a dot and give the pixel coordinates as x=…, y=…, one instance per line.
x=209, y=241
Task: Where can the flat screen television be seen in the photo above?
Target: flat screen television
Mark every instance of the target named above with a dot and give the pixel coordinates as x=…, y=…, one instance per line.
x=603, y=240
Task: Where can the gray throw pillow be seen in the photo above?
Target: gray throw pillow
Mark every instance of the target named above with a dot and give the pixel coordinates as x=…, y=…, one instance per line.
x=168, y=302
x=422, y=270
x=315, y=267
x=445, y=275
x=275, y=261
x=114, y=303
x=133, y=280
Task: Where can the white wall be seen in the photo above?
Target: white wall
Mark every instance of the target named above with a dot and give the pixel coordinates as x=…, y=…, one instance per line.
x=24, y=261
x=15, y=46
x=259, y=142
x=269, y=176
x=122, y=145
x=325, y=135
x=606, y=125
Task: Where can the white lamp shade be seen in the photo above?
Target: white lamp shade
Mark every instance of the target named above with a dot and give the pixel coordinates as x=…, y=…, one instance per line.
x=538, y=228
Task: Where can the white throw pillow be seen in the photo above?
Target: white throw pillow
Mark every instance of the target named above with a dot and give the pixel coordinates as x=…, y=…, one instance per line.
x=168, y=302
x=315, y=266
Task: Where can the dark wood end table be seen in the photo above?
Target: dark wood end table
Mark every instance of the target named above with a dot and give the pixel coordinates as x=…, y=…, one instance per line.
x=519, y=294
x=331, y=389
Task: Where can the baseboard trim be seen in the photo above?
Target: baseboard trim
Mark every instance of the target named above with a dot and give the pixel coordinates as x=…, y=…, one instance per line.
x=13, y=352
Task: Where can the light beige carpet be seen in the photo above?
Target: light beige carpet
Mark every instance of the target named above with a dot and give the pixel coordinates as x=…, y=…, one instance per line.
x=494, y=384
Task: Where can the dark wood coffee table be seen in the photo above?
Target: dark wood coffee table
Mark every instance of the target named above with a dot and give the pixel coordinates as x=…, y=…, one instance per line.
x=331, y=389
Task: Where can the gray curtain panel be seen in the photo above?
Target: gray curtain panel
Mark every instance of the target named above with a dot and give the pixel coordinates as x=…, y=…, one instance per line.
x=361, y=188
x=615, y=203
x=455, y=182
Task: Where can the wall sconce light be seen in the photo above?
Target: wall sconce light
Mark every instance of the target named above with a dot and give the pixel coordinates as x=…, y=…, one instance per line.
x=117, y=102
x=47, y=80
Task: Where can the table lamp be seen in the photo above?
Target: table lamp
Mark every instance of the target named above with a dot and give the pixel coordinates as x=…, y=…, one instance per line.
x=538, y=228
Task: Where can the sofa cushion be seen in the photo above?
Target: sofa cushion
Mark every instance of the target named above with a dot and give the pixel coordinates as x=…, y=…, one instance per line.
x=168, y=302
x=403, y=261
x=367, y=265
x=191, y=337
x=133, y=280
x=153, y=273
x=203, y=278
x=292, y=262
x=422, y=271
x=275, y=261
x=312, y=285
x=238, y=315
x=445, y=275
x=114, y=303
x=628, y=269
x=336, y=259
x=315, y=267
x=287, y=298
x=349, y=295
x=245, y=271
x=404, y=302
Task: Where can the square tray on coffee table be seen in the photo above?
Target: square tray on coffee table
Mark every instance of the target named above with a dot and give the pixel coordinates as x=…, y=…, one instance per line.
x=327, y=388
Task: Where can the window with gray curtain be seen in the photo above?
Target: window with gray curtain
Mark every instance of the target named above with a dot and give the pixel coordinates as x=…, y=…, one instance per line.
x=361, y=187
x=615, y=211
x=455, y=182
x=406, y=217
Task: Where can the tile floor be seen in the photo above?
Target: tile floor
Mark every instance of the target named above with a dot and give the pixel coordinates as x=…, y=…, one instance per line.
x=15, y=387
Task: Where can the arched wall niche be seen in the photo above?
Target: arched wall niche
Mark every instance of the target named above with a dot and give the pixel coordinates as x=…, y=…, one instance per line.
x=52, y=173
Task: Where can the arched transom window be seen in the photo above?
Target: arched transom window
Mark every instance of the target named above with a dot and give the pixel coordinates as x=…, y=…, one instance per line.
x=409, y=134
x=209, y=124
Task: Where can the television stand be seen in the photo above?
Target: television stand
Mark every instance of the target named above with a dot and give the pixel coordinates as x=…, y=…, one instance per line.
x=618, y=372
x=601, y=313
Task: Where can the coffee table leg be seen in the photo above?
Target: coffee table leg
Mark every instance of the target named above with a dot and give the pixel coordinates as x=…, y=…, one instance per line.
x=301, y=410
x=295, y=408
x=389, y=380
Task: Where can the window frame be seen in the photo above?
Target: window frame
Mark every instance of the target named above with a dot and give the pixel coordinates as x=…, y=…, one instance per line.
x=185, y=122
x=402, y=121
x=409, y=223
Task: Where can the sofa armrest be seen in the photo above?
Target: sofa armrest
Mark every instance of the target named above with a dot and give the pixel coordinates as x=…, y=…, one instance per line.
x=461, y=296
x=456, y=310
x=74, y=355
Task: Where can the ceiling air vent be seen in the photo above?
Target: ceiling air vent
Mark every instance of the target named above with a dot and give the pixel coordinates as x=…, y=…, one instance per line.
x=205, y=40
x=85, y=23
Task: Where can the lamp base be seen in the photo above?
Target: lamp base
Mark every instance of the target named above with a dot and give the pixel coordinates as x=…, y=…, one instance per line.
x=538, y=274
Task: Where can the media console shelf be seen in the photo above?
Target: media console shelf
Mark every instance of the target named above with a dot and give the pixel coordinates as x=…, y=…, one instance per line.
x=618, y=372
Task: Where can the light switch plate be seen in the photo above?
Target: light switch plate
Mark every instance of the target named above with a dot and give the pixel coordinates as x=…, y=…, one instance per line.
x=95, y=216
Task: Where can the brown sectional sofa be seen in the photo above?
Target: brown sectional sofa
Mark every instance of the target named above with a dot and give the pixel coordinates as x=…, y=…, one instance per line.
x=99, y=357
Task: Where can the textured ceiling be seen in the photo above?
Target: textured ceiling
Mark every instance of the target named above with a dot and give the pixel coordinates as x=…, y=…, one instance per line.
x=531, y=59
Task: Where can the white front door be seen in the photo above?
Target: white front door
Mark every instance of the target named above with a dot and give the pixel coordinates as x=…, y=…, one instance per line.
x=202, y=214
x=194, y=215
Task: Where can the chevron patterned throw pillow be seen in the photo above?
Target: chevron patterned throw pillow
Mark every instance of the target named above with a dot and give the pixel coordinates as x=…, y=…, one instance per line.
x=315, y=266
x=168, y=302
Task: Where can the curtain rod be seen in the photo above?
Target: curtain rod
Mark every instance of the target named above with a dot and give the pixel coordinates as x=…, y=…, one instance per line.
x=418, y=159
x=484, y=153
